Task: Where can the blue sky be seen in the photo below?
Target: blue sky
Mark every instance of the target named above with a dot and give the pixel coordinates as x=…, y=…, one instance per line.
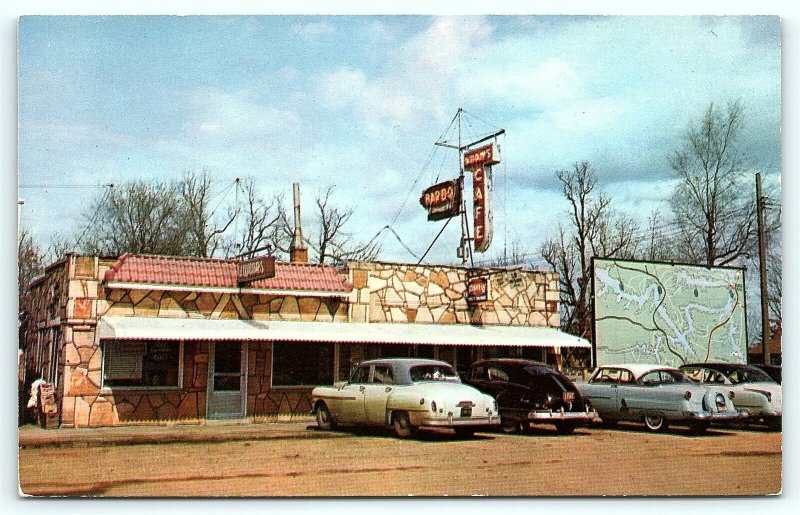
x=358, y=101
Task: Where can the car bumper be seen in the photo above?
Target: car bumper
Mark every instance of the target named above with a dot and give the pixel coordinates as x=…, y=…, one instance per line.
x=730, y=416
x=460, y=421
x=558, y=416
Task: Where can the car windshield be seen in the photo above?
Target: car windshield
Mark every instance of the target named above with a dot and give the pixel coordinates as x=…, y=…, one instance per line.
x=434, y=373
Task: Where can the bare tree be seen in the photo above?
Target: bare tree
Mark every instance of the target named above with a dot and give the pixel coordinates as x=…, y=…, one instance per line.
x=595, y=231
x=203, y=226
x=332, y=242
x=139, y=217
x=262, y=225
x=29, y=262
x=713, y=204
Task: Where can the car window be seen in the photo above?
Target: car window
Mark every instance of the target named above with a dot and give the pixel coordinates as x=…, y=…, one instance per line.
x=712, y=376
x=497, y=374
x=478, y=373
x=607, y=375
x=651, y=378
x=382, y=375
x=625, y=376
x=360, y=375
x=694, y=374
x=433, y=373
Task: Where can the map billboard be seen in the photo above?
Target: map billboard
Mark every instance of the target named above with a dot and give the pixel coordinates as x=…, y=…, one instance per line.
x=667, y=313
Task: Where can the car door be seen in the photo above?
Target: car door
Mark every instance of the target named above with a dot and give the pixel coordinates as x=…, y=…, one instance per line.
x=376, y=394
x=352, y=397
x=602, y=391
x=627, y=393
x=647, y=396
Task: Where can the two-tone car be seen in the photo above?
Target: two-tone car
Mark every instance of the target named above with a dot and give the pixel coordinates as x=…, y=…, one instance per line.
x=657, y=396
x=755, y=392
x=406, y=394
x=529, y=392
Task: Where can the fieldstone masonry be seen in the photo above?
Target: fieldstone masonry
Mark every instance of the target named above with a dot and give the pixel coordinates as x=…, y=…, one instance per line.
x=389, y=292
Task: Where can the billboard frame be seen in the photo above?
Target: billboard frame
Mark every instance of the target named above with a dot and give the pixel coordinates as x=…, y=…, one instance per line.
x=593, y=259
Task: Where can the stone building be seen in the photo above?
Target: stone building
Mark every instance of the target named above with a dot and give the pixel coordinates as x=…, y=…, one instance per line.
x=144, y=339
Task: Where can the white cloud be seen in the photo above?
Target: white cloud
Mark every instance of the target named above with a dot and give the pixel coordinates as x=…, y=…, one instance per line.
x=236, y=116
x=313, y=30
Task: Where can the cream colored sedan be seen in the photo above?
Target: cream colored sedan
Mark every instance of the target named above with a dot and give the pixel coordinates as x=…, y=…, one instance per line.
x=406, y=394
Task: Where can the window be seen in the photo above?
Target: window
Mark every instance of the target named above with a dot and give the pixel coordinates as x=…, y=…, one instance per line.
x=302, y=364
x=138, y=363
x=360, y=375
x=497, y=374
x=382, y=375
x=433, y=373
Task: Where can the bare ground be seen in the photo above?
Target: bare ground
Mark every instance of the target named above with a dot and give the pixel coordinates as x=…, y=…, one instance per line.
x=627, y=461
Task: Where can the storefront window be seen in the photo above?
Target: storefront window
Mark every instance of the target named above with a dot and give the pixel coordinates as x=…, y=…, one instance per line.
x=302, y=364
x=139, y=363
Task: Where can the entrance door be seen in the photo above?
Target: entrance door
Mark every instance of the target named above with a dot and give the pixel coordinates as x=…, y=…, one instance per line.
x=227, y=366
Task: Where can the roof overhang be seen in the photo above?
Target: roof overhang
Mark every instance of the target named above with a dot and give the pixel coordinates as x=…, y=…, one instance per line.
x=151, y=328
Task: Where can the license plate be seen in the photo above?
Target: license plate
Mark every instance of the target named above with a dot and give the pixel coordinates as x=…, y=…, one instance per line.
x=722, y=409
x=466, y=411
x=569, y=396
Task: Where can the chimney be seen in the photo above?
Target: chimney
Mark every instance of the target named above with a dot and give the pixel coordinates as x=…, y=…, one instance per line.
x=298, y=252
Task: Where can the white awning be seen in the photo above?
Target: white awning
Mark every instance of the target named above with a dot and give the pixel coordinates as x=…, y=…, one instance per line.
x=151, y=328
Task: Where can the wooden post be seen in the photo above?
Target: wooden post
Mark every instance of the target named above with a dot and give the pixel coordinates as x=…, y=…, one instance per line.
x=762, y=258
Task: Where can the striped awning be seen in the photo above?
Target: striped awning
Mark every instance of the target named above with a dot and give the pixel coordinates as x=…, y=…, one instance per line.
x=151, y=328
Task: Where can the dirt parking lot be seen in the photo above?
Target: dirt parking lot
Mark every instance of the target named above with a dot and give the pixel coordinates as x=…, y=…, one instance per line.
x=592, y=461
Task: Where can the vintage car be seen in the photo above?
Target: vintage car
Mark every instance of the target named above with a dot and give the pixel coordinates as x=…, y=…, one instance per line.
x=774, y=371
x=529, y=392
x=656, y=395
x=755, y=392
x=406, y=394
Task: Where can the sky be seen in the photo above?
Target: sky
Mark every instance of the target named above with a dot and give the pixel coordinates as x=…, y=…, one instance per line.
x=357, y=102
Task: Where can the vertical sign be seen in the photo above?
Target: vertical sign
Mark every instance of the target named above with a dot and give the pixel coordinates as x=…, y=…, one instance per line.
x=479, y=161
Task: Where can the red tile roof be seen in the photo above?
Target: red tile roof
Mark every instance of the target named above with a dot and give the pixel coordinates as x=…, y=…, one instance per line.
x=221, y=273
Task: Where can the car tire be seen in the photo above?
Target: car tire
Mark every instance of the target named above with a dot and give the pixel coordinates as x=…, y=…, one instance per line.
x=465, y=432
x=324, y=419
x=655, y=423
x=565, y=428
x=402, y=425
x=510, y=425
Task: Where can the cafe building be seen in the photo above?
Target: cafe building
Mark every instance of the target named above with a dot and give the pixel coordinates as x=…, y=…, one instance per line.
x=145, y=339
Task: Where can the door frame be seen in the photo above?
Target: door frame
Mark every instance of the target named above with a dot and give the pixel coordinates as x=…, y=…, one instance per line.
x=242, y=381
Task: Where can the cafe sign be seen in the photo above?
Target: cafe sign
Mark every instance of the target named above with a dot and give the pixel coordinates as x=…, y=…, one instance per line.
x=479, y=161
x=255, y=269
x=442, y=200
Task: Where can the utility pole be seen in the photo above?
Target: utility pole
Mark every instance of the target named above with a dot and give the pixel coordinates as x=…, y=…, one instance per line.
x=762, y=258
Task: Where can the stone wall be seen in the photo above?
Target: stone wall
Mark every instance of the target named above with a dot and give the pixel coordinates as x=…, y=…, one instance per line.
x=389, y=292
x=61, y=315
x=181, y=304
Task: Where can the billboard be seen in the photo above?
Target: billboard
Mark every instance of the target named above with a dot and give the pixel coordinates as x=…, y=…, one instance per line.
x=667, y=313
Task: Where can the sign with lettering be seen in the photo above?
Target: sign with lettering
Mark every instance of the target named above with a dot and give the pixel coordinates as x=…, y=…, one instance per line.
x=254, y=269
x=482, y=207
x=479, y=161
x=486, y=155
x=442, y=200
x=477, y=289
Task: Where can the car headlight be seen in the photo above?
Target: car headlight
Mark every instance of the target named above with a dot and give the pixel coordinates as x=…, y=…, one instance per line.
x=720, y=399
x=422, y=401
x=433, y=406
x=687, y=395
